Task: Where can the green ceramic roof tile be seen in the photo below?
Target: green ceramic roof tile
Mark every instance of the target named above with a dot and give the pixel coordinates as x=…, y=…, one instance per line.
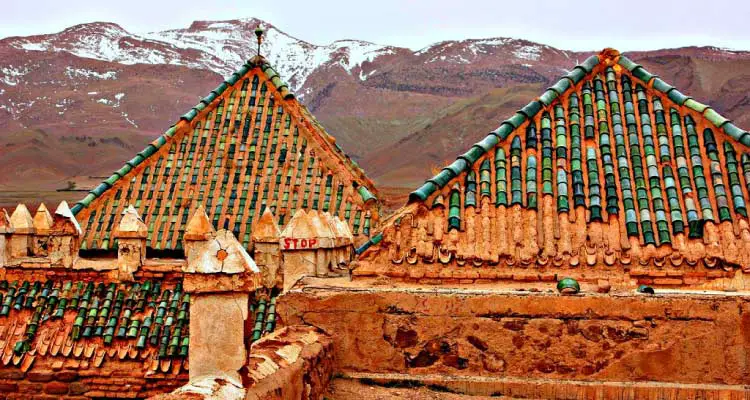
x=546, y=155
x=717, y=179
x=531, y=186
x=473, y=154
x=458, y=166
x=454, y=209
x=648, y=182
x=112, y=179
x=135, y=161
x=733, y=131
x=695, y=106
x=516, y=191
x=673, y=200
x=605, y=148
x=470, y=191
x=590, y=63
x=576, y=152
x=503, y=131
x=530, y=110
x=188, y=116
x=488, y=143
x=220, y=89
x=711, y=115
x=588, y=111
x=485, y=177
x=640, y=73
x=442, y=178
x=561, y=86
x=677, y=96
x=733, y=174
x=170, y=132
x=516, y=120
x=234, y=78
x=627, y=63
x=531, y=136
x=365, y=194
x=661, y=86
x=576, y=75
x=662, y=132
x=701, y=186
x=563, y=204
x=501, y=178
x=97, y=191
x=548, y=97
x=159, y=142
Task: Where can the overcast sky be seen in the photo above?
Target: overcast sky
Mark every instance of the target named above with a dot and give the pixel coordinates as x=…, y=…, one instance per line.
x=573, y=25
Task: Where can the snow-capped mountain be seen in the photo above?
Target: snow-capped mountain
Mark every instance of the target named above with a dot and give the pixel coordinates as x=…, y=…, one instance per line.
x=218, y=46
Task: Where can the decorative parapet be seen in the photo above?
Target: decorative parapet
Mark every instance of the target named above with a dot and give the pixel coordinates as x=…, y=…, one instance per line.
x=314, y=244
x=43, y=240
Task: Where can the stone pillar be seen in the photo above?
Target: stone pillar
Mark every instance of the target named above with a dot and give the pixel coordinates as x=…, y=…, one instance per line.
x=219, y=275
x=20, y=243
x=313, y=244
x=131, y=234
x=42, y=225
x=5, y=231
x=266, y=252
x=65, y=237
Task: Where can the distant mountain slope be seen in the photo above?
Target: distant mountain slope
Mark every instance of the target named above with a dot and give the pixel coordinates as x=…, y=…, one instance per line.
x=86, y=98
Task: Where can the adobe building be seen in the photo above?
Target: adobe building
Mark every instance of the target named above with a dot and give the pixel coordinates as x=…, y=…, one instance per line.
x=595, y=245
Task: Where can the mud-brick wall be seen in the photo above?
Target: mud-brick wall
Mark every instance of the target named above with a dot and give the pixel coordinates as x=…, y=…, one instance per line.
x=634, y=338
x=121, y=379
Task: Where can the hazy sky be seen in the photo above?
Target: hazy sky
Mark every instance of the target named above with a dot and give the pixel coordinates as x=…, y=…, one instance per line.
x=574, y=25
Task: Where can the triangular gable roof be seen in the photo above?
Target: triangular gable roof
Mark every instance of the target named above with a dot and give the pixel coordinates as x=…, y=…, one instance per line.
x=610, y=164
x=247, y=145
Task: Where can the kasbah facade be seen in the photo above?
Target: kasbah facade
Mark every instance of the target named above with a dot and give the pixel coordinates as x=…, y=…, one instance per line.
x=595, y=245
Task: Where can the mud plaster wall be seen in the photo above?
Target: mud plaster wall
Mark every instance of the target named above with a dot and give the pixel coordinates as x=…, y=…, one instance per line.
x=686, y=339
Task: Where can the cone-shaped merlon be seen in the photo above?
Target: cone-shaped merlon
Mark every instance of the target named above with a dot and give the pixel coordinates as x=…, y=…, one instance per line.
x=343, y=231
x=21, y=220
x=266, y=230
x=222, y=254
x=199, y=227
x=42, y=219
x=131, y=225
x=5, y=226
x=298, y=223
x=322, y=229
x=64, y=216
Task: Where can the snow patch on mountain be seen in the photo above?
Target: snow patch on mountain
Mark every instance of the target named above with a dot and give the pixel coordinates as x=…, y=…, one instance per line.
x=11, y=75
x=73, y=73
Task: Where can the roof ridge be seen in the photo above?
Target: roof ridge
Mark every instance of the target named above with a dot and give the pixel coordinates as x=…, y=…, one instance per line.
x=186, y=118
x=609, y=57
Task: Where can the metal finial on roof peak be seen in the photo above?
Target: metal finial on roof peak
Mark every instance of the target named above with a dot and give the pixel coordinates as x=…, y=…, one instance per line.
x=259, y=36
